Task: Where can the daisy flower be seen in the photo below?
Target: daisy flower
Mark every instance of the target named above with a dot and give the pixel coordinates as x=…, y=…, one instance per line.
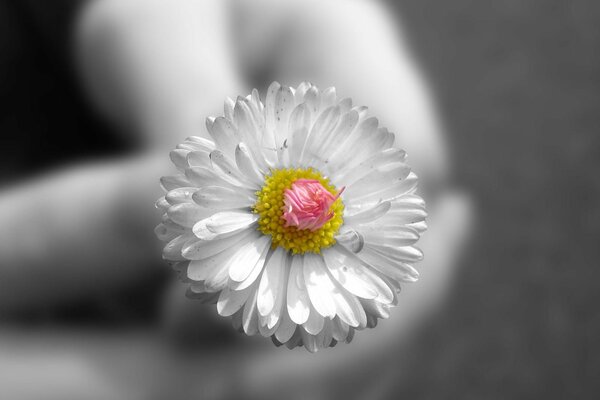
x=297, y=218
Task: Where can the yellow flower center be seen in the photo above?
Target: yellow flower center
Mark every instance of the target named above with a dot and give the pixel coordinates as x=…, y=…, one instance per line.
x=269, y=205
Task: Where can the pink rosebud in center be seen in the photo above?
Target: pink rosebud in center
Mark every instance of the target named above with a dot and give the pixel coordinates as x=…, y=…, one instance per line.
x=307, y=204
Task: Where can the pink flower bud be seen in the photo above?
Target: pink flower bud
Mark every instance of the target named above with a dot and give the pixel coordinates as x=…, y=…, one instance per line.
x=307, y=204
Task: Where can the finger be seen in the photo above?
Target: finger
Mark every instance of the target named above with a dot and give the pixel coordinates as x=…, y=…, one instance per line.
x=191, y=323
x=157, y=67
x=78, y=232
x=450, y=228
x=42, y=366
x=353, y=46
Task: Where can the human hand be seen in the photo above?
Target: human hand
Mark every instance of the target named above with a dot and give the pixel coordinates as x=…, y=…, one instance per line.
x=160, y=87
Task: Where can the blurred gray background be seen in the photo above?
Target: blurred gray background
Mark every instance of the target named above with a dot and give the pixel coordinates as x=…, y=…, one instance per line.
x=519, y=82
x=518, y=85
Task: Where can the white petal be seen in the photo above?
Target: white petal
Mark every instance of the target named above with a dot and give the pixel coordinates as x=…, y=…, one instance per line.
x=328, y=97
x=268, y=140
x=345, y=104
x=295, y=340
x=339, y=329
x=351, y=333
x=403, y=254
x=180, y=195
x=188, y=147
x=188, y=214
x=225, y=222
x=390, y=238
x=162, y=204
x=264, y=327
x=228, y=108
x=247, y=165
x=207, y=176
x=418, y=226
x=165, y=234
x=197, y=249
x=370, y=214
x=254, y=273
x=172, y=251
x=395, y=285
x=224, y=134
x=405, y=218
x=362, y=111
x=321, y=130
x=272, y=282
x=371, y=321
x=348, y=308
x=197, y=143
x=222, y=163
x=325, y=336
x=251, y=134
x=377, y=180
x=274, y=317
x=298, y=303
x=250, y=315
x=315, y=322
x=217, y=278
x=287, y=327
x=387, y=225
x=179, y=158
x=376, y=309
x=391, y=138
x=171, y=225
x=339, y=135
x=397, y=270
x=324, y=125
x=318, y=285
x=173, y=182
x=200, y=270
x=349, y=147
x=314, y=343
x=378, y=160
x=246, y=122
x=236, y=320
x=354, y=276
x=408, y=209
x=255, y=99
x=198, y=159
x=350, y=239
x=366, y=146
x=391, y=192
x=410, y=201
x=218, y=197
x=197, y=291
x=301, y=92
x=310, y=341
x=246, y=258
x=284, y=104
x=312, y=98
x=299, y=124
x=230, y=301
x=257, y=109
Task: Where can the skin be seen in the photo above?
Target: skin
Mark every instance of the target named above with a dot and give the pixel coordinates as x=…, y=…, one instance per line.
x=156, y=69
